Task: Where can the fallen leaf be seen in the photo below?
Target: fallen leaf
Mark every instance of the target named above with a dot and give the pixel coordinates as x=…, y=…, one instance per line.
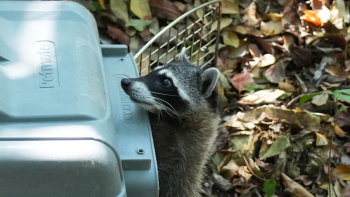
x=275, y=17
x=229, y=7
x=239, y=81
x=312, y=17
x=276, y=73
x=301, y=57
x=242, y=30
x=120, y=10
x=255, y=52
x=229, y=170
x=336, y=71
x=138, y=24
x=267, y=60
x=230, y=38
x=338, y=130
x=118, y=34
x=164, y=9
x=244, y=172
x=263, y=96
x=270, y=187
x=295, y=187
x=182, y=7
x=221, y=183
x=154, y=26
x=250, y=15
x=146, y=35
x=224, y=23
x=271, y=28
x=277, y=147
x=321, y=140
x=320, y=99
x=338, y=13
x=343, y=172
x=286, y=87
x=241, y=51
x=141, y=9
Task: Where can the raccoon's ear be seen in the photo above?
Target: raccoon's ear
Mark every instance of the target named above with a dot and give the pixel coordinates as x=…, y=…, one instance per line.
x=209, y=79
x=183, y=56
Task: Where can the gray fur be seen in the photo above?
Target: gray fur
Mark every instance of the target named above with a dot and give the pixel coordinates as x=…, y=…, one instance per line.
x=183, y=136
x=183, y=56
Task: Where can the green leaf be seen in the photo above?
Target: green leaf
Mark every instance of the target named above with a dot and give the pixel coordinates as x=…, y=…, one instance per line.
x=277, y=147
x=270, y=187
x=342, y=108
x=346, y=91
x=97, y=7
x=305, y=98
x=342, y=94
x=138, y=24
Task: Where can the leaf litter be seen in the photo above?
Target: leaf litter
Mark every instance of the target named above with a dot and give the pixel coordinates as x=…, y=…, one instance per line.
x=284, y=90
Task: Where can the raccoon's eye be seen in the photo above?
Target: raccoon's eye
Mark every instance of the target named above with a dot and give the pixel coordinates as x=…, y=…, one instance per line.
x=166, y=82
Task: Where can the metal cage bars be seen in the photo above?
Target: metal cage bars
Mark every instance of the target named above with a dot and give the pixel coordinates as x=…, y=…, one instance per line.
x=201, y=30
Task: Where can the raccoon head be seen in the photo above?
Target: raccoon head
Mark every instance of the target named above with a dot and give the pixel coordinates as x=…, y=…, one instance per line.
x=177, y=88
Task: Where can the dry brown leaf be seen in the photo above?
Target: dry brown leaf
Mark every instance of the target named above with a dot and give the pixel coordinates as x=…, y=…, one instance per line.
x=255, y=52
x=242, y=79
x=250, y=15
x=295, y=187
x=336, y=71
x=338, y=13
x=146, y=35
x=243, y=171
x=266, y=46
x=338, y=130
x=301, y=57
x=182, y=7
x=343, y=172
x=286, y=87
x=267, y=60
x=276, y=73
x=229, y=170
x=118, y=34
x=321, y=140
x=263, y=96
x=164, y=9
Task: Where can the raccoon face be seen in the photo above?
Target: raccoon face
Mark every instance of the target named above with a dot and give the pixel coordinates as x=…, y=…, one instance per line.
x=177, y=88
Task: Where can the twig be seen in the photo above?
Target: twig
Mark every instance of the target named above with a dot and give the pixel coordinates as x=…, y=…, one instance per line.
x=251, y=170
x=294, y=99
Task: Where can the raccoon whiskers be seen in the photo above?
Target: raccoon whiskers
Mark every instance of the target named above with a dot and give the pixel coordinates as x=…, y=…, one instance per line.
x=164, y=94
x=165, y=109
x=173, y=109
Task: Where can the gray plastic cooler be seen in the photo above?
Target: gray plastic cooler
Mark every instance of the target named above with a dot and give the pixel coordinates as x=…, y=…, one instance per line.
x=66, y=127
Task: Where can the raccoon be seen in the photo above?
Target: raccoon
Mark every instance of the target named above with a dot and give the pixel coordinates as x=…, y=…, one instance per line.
x=181, y=102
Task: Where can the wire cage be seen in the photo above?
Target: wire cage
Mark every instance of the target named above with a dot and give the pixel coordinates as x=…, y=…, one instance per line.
x=198, y=30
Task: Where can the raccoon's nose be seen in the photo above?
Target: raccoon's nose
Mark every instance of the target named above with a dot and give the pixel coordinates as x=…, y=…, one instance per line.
x=126, y=82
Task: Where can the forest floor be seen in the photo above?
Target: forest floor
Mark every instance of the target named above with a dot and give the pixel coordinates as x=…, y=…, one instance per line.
x=284, y=89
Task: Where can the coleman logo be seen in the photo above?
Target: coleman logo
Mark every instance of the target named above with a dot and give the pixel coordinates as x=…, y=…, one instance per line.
x=45, y=64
